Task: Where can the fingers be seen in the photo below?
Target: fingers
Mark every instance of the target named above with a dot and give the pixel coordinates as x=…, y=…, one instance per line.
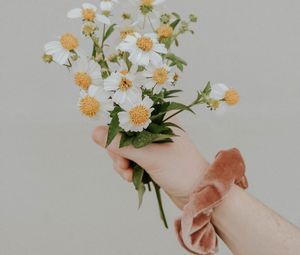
x=100, y=136
x=122, y=166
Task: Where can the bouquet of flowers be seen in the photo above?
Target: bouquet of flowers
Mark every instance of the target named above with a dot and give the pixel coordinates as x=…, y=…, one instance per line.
x=128, y=80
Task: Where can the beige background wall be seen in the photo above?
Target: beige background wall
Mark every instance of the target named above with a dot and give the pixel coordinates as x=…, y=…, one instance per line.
x=58, y=192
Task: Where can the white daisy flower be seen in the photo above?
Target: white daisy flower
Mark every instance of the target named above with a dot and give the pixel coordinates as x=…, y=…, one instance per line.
x=136, y=116
x=88, y=12
x=159, y=77
x=147, y=6
x=143, y=49
x=221, y=93
x=86, y=73
x=124, y=84
x=96, y=103
x=62, y=49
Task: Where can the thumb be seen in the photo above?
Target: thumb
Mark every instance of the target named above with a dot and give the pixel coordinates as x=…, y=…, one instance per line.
x=140, y=156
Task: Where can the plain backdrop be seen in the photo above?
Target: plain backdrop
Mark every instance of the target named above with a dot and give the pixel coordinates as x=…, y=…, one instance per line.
x=58, y=191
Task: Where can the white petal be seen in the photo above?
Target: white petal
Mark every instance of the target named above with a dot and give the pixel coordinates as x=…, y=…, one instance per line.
x=124, y=117
x=52, y=47
x=75, y=13
x=150, y=84
x=112, y=82
x=89, y=6
x=145, y=59
x=61, y=57
x=120, y=97
x=135, y=56
x=124, y=46
x=160, y=48
x=218, y=91
x=155, y=58
x=147, y=102
x=157, y=2
x=153, y=36
x=108, y=105
x=93, y=90
x=131, y=39
x=157, y=89
x=82, y=64
x=106, y=5
x=103, y=19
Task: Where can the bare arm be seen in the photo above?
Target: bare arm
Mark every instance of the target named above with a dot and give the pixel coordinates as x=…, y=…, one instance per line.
x=248, y=227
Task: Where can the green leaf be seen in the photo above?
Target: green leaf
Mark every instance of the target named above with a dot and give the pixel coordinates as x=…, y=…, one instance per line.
x=168, y=93
x=175, y=23
x=143, y=138
x=170, y=124
x=138, y=173
x=113, y=130
x=160, y=205
x=164, y=137
x=179, y=62
x=207, y=89
x=156, y=128
x=176, y=15
x=125, y=140
x=179, y=106
x=109, y=31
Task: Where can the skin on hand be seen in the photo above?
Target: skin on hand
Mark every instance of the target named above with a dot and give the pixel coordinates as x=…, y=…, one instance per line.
x=176, y=166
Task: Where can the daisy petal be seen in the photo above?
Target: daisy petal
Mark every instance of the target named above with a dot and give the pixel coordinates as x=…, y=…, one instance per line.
x=89, y=6
x=103, y=19
x=61, y=57
x=75, y=13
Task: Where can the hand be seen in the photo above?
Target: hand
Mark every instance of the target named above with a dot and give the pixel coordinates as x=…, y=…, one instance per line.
x=176, y=167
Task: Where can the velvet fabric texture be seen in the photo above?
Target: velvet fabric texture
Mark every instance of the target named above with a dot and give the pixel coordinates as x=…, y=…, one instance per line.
x=194, y=229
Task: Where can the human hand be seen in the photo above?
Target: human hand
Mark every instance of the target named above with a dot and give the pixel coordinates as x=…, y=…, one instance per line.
x=176, y=166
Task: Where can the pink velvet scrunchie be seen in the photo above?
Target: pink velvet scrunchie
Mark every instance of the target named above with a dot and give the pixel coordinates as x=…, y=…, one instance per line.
x=194, y=229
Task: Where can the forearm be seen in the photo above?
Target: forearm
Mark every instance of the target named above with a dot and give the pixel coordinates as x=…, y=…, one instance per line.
x=248, y=227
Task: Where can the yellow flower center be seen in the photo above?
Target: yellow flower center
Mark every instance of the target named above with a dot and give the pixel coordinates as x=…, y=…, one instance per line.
x=124, y=72
x=69, y=41
x=125, y=84
x=145, y=43
x=165, y=31
x=160, y=75
x=232, y=97
x=147, y=3
x=139, y=115
x=88, y=14
x=83, y=80
x=125, y=32
x=89, y=106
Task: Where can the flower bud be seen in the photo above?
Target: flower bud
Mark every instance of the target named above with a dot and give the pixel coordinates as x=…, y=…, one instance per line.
x=193, y=18
x=47, y=58
x=165, y=18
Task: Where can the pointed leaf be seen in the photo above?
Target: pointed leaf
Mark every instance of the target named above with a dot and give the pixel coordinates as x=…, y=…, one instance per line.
x=113, y=130
x=109, y=31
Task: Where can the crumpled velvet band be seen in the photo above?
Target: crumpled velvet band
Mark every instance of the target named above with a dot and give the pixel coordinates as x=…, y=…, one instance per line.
x=194, y=229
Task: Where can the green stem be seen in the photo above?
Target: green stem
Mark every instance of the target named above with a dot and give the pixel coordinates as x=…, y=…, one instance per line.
x=201, y=100
x=160, y=205
x=151, y=24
